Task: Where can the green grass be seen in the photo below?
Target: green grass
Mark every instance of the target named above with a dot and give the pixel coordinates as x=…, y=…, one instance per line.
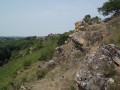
x=9, y=71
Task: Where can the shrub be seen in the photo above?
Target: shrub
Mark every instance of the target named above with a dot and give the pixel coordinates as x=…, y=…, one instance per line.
x=40, y=74
x=27, y=64
x=47, y=54
x=96, y=19
x=87, y=18
x=62, y=38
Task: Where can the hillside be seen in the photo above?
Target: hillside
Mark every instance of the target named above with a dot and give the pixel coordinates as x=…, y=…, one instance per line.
x=31, y=51
x=88, y=60
x=74, y=60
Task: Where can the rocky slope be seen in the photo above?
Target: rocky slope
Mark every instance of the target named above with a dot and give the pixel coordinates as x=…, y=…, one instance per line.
x=100, y=69
x=84, y=62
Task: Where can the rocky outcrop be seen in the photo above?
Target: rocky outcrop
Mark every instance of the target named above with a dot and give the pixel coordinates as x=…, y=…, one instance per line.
x=98, y=70
x=80, y=26
x=81, y=40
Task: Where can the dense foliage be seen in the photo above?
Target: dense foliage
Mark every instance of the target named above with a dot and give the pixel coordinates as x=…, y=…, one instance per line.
x=13, y=48
x=9, y=48
x=112, y=6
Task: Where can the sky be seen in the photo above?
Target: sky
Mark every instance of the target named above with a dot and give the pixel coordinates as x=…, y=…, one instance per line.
x=42, y=17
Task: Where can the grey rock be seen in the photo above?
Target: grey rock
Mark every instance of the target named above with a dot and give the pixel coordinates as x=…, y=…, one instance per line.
x=97, y=70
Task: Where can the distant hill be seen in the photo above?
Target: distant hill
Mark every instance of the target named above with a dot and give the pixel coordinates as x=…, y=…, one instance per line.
x=9, y=37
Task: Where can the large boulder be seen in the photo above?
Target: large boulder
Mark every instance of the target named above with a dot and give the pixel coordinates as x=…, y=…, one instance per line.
x=100, y=69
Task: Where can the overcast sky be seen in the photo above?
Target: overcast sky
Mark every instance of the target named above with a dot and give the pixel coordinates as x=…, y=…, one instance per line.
x=41, y=17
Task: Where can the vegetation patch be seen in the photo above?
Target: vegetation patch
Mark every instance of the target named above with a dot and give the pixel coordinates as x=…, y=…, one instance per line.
x=27, y=64
x=40, y=74
x=10, y=71
x=110, y=7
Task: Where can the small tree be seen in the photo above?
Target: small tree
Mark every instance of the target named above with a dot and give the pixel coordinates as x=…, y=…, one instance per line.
x=87, y=18
x=112, y=6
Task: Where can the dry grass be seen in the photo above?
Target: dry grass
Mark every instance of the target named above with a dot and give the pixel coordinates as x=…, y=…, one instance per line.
x=60, y=78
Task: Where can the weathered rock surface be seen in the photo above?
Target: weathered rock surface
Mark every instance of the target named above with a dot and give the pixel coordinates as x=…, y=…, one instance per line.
x=99, y=69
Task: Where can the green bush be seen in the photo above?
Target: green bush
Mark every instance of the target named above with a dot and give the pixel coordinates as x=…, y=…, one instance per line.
x=62, y=39
x=88, y=19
